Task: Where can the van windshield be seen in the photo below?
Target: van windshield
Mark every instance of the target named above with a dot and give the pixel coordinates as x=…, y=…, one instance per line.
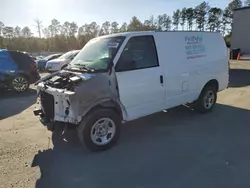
x=95, y=55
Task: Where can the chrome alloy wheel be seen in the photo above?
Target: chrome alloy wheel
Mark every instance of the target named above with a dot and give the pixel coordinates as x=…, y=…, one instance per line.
x=20, y=84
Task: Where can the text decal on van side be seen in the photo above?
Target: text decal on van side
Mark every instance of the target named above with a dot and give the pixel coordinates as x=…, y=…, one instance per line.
x=194, y=47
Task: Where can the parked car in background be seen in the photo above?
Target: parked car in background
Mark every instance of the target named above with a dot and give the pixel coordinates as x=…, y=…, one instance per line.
x=40, y=57
x=41, y=63
x=17, y=70
x=34, y=58
x=61, y=62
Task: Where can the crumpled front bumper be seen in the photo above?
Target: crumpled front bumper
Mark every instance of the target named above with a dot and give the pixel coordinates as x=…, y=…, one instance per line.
x=55, y=106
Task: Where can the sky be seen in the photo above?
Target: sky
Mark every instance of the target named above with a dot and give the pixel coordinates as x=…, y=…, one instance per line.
x=24, y=12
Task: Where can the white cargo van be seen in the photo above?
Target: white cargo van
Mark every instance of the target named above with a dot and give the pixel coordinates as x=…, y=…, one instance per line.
x=122, y=77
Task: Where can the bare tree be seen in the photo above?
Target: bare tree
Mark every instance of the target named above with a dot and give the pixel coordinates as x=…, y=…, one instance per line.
x=39, y=27
x=1, y=27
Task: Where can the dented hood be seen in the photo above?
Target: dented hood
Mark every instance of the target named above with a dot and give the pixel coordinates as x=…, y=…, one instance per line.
x=64, y=73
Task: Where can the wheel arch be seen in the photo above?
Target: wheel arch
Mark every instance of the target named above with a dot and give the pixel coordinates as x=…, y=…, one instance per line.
x=212, y=82
x=10, y=77
x=107, y=104
x=24, y=75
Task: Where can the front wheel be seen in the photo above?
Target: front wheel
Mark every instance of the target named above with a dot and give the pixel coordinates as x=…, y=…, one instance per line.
x=19, y=84
x=100, y=129
x=206, y=100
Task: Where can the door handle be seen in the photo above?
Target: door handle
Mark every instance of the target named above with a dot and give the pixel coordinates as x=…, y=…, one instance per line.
x=161, y=79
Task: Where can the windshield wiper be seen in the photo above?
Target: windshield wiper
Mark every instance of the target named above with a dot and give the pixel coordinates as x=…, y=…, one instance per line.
x=82, y=67
x=87, y=69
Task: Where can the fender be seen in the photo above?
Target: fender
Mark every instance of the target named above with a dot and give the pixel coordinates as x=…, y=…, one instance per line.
x=212, y=80
x=107, y=103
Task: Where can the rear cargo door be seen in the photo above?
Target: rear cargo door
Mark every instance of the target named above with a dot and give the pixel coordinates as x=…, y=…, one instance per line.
x=140, y=78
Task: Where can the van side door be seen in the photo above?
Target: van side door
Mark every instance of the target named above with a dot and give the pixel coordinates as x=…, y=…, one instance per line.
x=140, y=78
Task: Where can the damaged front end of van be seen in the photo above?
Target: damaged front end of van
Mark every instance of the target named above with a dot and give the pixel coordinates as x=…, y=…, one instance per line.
x=85, y=95
x=68, y=96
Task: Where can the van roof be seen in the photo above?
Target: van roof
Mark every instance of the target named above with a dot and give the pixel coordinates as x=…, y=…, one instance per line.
x=241, y=8
x=125, y=34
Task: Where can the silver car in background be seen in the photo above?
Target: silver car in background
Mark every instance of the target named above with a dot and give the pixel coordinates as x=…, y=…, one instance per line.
x=61, y=62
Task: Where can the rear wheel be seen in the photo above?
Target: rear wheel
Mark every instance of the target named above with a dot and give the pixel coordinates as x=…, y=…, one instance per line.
x=206, y=100
x=100, y=129
x=20, y=83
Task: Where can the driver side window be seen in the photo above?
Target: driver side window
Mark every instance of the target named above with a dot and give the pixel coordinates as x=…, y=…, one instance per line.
x=139, y=53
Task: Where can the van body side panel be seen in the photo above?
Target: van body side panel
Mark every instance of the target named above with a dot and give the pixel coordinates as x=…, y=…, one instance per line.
x=177, y=74
x=190, y=60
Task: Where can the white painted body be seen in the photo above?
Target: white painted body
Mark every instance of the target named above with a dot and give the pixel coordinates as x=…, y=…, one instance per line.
x=141, y=92
x=184, y=76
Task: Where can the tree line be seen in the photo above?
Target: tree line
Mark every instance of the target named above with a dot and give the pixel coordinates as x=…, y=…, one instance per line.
x=62, y=37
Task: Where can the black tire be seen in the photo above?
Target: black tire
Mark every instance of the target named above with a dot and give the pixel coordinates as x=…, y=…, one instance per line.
x=201, y=104
x=19, y=83
x=85, y=127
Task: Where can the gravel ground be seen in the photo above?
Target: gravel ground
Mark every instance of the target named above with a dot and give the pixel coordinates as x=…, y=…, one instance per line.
x=176, y=149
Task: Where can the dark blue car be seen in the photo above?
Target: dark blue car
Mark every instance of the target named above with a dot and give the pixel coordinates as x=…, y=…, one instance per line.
x=17, y=70
x=41, y=63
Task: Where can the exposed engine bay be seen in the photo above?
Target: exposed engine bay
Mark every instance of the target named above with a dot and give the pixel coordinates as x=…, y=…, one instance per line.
x=66, y=96
x=64, y=80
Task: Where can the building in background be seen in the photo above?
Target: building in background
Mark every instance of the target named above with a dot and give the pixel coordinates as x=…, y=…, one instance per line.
x=240, y=37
